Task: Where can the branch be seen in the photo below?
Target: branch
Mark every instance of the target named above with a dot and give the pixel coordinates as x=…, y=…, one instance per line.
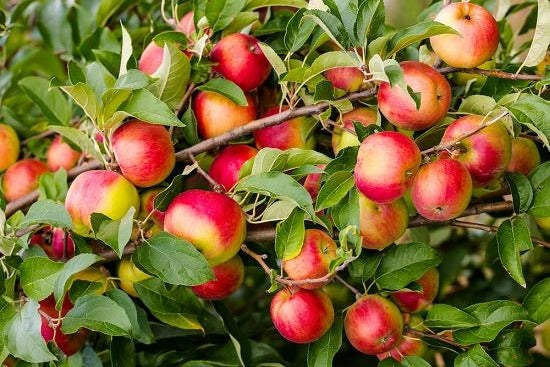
x=216, y=187
x=501, y=206
x=493, y=73
x=420, y=334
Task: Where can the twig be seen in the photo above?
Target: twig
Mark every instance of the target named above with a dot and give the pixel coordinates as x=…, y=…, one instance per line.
x=501, y=206
x=420, y=334
x=531, y=137
x=42, y=135
x=213, y=183
x=348, y=286
x=494, y=73
x=186, y=96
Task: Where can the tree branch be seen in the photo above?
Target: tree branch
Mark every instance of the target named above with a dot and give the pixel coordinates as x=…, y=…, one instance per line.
x=493, y=73
x=213, y=183
x=420, y=334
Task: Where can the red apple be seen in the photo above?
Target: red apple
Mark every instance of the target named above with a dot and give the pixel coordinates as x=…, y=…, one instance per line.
x=62, y=244
x=415, y=301
x=525, y=156
x=295, y=133
x=386, y=164
x=477, y=38
x=147, y=205
x=349, y=79
x=228, y=278
x=151, y=58
x=240, y=59
x=312, y=183
x=186, y=25
x=210, y=106
x=344, y=138
x=381, y=224
x=227, y=164
x=407, y=346
x=144, y=152
x=9, y=147
x=373, y=325
x=435, y=98
x=301, y=316
x=61, y=155
x=442, y=189
x=22, y=177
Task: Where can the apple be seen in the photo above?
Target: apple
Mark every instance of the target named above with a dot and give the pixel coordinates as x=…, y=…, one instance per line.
x=294, y=133
x=210, y=106
x=9, y=147
x=94, y=275
x=301, y=316
x=227, y=164
x=486, y=153
x=386, y=164
x=240, y=59
x=349, y=79
x=340, y=296
x=212, y=222
x=381, y=224
x=99, y=191
x=442, y=189
x=62, y=244
x=525, y=156
x=415, y=301
x=477, y=38
x=144, y=152
x=129, y=274
x=61, y=155
x=312, y=183
x=463, y=78
x=399, y=107
x=69, y=344
x=407, y=346
x=21, y=178
x=544, y=224
x=186, y=25
x=373, y=325
x=314, y=259
x=344, y=138
x=228, y=278
x=147, y=205
x=403, y=13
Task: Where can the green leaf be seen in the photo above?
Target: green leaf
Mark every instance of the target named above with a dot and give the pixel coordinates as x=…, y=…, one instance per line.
x=541, y=38
x=415, y=33
x=47, y=212
x=73, y=266
x=97, y=313
x=364, y=267
x=347, y=12
x=346, y=212
x=512, y=347
x=513, y=237
x=321, y=352
x=136, y=315
x=114, y=233
x=478, y=104
x=531, y=111
x=220, y=13
x=449, y=317
x=79, y=139
x=331, y=25
x=53, y=185
x=132, y=80
x=370, y=22
x=298, y=30
x=227, y=89
x=256, y=4
x=539, y=174
x=330, y=60
x=173, y=76
x=110, y=60
x=122, y=352
x=85, y=97
x=522, y=191
x=335, y=188
x=38, y=276
x=53, y=24
x=173, y=260
x=274, y=59
x=165, y=197
x=404, y=264
x=106, y=9
x=240, y=22
x=344, y=161
x=537, y=301
x=541, y=201
x=126, y=51
x=145, y=106
x=51, y=102
x=474, y=357
x=290, y=235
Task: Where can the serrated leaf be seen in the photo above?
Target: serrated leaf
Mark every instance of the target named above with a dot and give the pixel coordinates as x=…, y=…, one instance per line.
x=220, y=13
x=71, y=267
x=51, y=102
x=47, y=212
x=126, y=50
x=172, y=76
x=522, y=191
x=290, y=235
x=370, y=21
x=140, y=325
x=531, y=111
x=537, y=301
x=85, y=97
x=114, y=233
x=541, y=38
x=321, y=352
x=145, y=106
x=511, y=347
x=449, y=317
x=298, y=30
x=512, y=237
x=474, y=357
x=334, y=189
x=38, y=276
x=415, y=33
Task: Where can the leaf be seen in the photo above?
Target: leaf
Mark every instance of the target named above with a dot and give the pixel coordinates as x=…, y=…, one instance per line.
x=85, y=97
x=370, y=21
x=73, y=266
x=173, y=76
x=346, y=212
x=47, y=212
x=173, y=260
x=114, y=233
x=298, y=30
x=522, y=191
x=51, y=102
x=122, y=352
x=331, y=25
x=79, y=139
x=290, y=234
x=145, y=106
x=449, y=317
x=296, y=157
x=404, y=264
x=344, y=161
x=531, y=111
x=478, y=104
x=106, y=9
x=330, y=60
x=255, y=4
x=136, y=315
x=513, y=237
x=165, y=197
x=132, y=80
x=541, y=38
x=541, y=201
x=539, y=174
x=53, y=185
x=347, y=12
x=97, y=313
x=474, y=357
x=220, y=13
x=240, y=22
x=511, y=347
x=38, y=276
x=537, y=301
x=274, y=59
x=335, y=188
x=227, y=89
x=126, y=51
x=321, y=352
x=415, y=33
x=364, y=267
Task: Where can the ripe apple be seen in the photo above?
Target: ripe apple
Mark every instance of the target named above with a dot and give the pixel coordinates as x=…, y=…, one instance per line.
x=129, y=274
x=313, y=261
x=62, y=244
x=227, y=164
x=210, y=106
x=407, y=346
x=485, y=153
x=349, y=79
x=186, y=25
x=342, y=138
x=240, y=59
x=415, y=301
x=381, y=224
x=144, y=152
x=212, y=222
x=301, y=315
x=386, y=164
x=373, y=324
x=228, y=278
x=9, y=146
x=147, y=205
x=477, y=38
x=99, y=191
x=312, y=183
x=61, y=155
x=21, y=178
x=295, y=133
x=525, y=156
x=442, y=189
x=94, y=275
x=400, y=109
x=69, y=344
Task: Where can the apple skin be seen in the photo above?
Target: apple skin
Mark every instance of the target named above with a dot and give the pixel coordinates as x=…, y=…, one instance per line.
x=341, y=138
x=301, y=316
x=373, y=325
x=442, y=189
x=525, y=156
x=349, y=79
x=129, y=274
x=312, y=183
x=21, y=178
x=147, y=204
x=62, y=244
x=386, y=164
x=227, y=164
x=229, y=277
x=212, y=222
x=94, y=275
x=413, y=301
x=9, y=147
x=209, y=106
x=400, y=109
x=289, y=134
x=61, y=155
x=240, y=59
x=486, y=153
x=544, y=224
x=69, y=344
x=186, y=25
x=151, y=58
x=407, y=346
x=381, y=224
x=99, y=191
x=477, y=38
x=313, y=261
